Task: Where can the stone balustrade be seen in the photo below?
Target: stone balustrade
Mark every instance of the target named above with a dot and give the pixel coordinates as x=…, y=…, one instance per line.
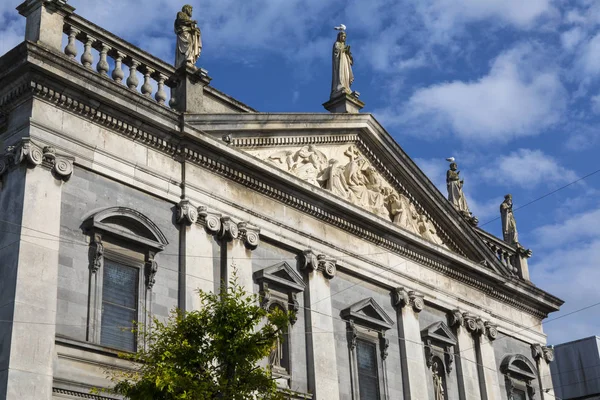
x=505, y=253
x=125, y=58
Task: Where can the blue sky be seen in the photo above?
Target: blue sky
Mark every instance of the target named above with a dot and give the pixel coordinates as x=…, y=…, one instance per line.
x=511, y=88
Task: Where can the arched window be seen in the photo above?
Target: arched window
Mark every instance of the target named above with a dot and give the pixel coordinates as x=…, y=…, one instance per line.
x=123, y=248
x=519, y=376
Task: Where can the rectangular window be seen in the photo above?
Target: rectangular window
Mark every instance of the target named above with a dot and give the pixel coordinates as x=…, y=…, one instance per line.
x=119, y=305
x=368, y=377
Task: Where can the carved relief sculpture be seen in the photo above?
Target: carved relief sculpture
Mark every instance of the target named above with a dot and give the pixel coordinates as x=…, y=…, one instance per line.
x=342, y=65
x=509, y=225
x=189, y=38
x=345, y=172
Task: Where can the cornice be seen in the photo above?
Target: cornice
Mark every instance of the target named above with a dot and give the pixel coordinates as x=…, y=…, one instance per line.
x=219, y=165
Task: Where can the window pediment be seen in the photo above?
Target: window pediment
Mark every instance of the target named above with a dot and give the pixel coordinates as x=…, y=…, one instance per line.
x=128, y=224
x=518, y=366
x=281, y=275
x=368, y=313
x=439, y=332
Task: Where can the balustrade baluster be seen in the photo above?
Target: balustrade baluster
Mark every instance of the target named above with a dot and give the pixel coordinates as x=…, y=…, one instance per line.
x=86, y=58
x=147, y=87
x=71, y=49
x=118, y=73
x=102, y=66
x=132, y=79
x=161, y=95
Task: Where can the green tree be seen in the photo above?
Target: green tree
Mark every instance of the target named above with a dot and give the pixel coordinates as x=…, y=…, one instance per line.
x=211, y=353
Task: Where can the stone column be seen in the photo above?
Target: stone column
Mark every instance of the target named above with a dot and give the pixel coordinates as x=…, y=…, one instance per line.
x=45, y=21
x=239, y=255
x=320, y=340
x=414, y=378
x=485, y=333
x=543, y=356
x=466, y=359
x=196, y=266
x=31, y=202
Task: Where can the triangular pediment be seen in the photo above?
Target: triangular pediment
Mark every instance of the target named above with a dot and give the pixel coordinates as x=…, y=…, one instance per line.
x=439, y=332
x=281, y=275
x=368, y=313
x=354, y=159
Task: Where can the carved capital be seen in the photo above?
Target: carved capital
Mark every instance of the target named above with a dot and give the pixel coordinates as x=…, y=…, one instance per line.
x=474, y=324
x=186, y=213
x=403, y=297
x=249, y=234
x=491, y=330
x=32, y=154
x=151, y=270
x=456, y=318
x=229, y=229
x=210, y=220
x=312, y=262
x=539, y=351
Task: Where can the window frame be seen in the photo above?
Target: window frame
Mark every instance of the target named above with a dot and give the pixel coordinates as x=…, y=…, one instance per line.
x=112, y=227
x=370, y=327
x=130, y=262
x=520, y=374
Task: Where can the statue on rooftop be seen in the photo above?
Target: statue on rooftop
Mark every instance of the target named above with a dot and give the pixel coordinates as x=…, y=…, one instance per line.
x=509, y=225
x=455, y=192
x=342, y=64
x=189, y=38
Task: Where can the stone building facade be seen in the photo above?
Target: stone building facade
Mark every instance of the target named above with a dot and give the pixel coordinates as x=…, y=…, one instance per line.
x=117, y=204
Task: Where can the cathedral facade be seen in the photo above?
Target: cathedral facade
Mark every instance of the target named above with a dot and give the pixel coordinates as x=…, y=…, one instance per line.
x=118, y=202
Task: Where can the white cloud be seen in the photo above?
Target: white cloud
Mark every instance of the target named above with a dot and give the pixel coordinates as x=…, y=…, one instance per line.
x=567, y=267
x=519, y=97
x=588, y=58
x=580, y=227
x=527, y=168
x=571, y=38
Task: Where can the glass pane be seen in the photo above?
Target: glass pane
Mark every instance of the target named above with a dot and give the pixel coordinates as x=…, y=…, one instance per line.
x=368, y=379
x=119, y=305
x=120, y=284
x=519, y=395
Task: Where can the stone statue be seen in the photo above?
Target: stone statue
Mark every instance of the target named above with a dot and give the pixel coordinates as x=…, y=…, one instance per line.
x=342, y=66
x=455, y=189
x=189, y=38
x=509, y=225
x=438, y=382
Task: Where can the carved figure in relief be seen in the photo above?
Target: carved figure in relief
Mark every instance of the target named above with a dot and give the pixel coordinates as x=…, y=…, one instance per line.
x=342, y=66
x=189, y=38
x=308, y=162
x=455, y=189
x=509, y=225
x=332, y=179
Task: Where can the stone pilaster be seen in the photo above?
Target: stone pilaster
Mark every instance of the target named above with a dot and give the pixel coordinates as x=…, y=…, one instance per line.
x=543, y=356
x=30, y=199
x=196, y=254
x=244, y=239
x=320, y=341
x=45, y=21
x=408, y=306
x=466, y=359
x=484, y=334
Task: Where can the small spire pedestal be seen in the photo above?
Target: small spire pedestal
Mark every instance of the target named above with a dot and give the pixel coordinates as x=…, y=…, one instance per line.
x=344, y=103
x=188, y=84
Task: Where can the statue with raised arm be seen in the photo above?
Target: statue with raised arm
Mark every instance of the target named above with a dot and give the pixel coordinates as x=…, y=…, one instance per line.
x=189, y=38
x=509, y=225
x=342, y=64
